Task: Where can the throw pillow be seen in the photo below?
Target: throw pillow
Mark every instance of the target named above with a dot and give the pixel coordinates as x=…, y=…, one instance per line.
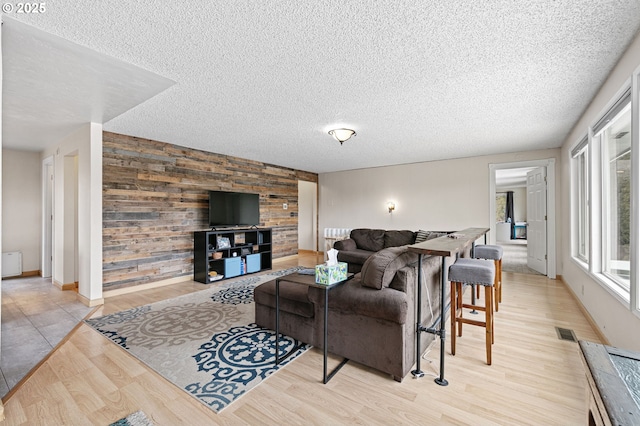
x=368, y=239
x=421, y=236
x=380, y=268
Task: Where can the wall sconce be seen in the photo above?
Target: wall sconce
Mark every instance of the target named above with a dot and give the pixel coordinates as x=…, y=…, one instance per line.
x=342, y=135
x=392, y=206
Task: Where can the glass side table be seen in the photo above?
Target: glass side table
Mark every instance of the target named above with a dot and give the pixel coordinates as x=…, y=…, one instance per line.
x=309, y=281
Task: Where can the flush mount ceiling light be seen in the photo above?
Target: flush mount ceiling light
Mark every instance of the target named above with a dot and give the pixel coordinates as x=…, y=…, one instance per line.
x=342, y=135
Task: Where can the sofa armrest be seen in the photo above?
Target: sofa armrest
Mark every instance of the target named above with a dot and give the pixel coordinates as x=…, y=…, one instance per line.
x=347, y=244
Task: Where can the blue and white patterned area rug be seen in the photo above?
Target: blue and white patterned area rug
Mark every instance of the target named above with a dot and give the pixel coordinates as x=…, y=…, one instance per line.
x=205, y=342
x=135, y=419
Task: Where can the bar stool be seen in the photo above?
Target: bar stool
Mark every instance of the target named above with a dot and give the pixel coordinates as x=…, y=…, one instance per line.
x=466, y=272
x=491, y=252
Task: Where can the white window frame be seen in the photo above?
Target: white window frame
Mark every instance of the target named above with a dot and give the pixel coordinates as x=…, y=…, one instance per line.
x=606, y=240
x=580, y=202
x=597, y=208
x=594, y=267
x=634, y=282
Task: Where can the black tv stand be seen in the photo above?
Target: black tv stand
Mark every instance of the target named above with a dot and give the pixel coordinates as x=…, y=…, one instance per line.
x=249, y=251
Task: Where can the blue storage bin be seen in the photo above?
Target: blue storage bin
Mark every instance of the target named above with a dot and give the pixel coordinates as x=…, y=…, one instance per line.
x=232, y=267
x=253, y=263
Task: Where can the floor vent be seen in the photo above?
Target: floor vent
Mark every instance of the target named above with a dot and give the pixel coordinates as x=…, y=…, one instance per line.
x=566, y=334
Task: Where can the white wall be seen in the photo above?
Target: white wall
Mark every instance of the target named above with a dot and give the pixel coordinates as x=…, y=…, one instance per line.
x=1, y=232
x=21, y=212
x=78, y=194
x=614, y=318
x=437, y=195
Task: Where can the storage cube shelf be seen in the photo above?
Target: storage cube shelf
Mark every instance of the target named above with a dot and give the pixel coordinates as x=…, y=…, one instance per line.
x=230, y=253
x=232, y=267
x=253, y=263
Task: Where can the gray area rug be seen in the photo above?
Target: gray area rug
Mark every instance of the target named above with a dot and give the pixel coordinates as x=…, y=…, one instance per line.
x=514, y=257
x=205, y=342
x=135, y=419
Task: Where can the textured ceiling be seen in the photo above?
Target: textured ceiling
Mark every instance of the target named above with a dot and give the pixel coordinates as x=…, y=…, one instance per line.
x=51, y=86
x=417, y=80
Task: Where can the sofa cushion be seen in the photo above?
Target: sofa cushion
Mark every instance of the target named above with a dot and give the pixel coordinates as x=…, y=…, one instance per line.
x=386, y=304
x=399, y=238
x=293, y=297
x=381, y=267
x=368, y=239
x=354, y=256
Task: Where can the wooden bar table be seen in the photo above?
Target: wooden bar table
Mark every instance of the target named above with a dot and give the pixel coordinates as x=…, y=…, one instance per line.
x=444, y=247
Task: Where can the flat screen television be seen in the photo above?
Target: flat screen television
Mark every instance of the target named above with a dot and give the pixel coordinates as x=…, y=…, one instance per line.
x=233, y=209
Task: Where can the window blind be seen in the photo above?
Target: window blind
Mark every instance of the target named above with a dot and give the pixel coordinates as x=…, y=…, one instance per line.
x=582, y=145
x=613, y=111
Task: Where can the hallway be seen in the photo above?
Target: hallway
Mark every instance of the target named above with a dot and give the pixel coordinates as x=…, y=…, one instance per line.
x=514, y=257
x=36, y=316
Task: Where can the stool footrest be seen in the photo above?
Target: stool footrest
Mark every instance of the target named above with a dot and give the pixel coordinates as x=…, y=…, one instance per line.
x=480, y=308
x=472, y=322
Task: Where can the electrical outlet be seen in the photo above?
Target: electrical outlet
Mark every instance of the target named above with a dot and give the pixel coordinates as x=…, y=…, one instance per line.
x=285, y=206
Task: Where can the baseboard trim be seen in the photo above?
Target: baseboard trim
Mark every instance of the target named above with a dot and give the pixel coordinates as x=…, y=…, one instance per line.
x=66, y=287
x=285, y=258
x=586, y=313
x=135, y=288
x=89, y=302
x=24, y=274
x=310, y=252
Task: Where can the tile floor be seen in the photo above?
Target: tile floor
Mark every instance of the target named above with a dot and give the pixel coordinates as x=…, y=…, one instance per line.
x=36, y=316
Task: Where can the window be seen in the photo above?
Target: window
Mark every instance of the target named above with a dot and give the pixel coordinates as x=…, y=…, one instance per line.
x=615, y=138
x=604, y=229
x=580, y=156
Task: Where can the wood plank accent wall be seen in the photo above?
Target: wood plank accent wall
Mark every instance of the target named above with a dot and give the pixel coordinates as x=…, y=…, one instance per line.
x=155, y=195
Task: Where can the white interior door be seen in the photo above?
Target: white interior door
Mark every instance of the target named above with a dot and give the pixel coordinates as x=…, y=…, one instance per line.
x=537, y=220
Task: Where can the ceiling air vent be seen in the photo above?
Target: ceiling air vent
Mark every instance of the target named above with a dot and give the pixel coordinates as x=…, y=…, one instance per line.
x=566, y=334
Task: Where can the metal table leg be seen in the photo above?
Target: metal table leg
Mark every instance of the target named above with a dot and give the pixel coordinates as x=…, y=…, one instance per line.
x=277, y=321
x=325, y=377
x=443, y=324
x=441, y=330
x=326, y=323
x=473, y=287
x=418, y=372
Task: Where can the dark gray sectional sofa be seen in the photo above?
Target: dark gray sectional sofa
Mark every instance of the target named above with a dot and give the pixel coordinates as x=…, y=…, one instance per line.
x=371, y=317
x=364, y=242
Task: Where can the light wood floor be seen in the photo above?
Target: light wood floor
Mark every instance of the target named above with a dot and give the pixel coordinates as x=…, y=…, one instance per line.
x=535, y=378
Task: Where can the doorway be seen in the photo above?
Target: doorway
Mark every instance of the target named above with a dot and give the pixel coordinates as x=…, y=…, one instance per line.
x=512, y=230
x=307, y=216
